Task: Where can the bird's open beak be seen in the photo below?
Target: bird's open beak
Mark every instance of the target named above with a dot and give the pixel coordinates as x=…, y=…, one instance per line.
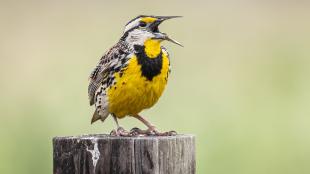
x=160, y=35
x=164, y=36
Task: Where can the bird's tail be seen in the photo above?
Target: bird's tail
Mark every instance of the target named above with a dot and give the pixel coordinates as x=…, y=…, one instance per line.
x=99, y=115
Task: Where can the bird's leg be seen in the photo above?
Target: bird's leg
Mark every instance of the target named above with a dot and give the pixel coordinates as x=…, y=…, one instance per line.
x=151, y=129
x=119, y=130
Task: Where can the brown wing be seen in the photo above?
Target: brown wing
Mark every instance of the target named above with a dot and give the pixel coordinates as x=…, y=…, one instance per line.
x=108, y=63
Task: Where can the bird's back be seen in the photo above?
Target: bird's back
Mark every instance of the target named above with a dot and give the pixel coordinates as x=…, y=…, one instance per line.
x=103, y=74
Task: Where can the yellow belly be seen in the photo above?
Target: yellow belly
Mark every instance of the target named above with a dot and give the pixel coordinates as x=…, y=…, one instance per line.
x=133, y=92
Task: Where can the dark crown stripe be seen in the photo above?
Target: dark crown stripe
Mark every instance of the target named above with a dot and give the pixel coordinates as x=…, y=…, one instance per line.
x=135, y=18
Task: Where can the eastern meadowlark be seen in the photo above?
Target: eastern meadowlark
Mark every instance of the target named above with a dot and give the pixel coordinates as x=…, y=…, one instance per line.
x=132, y=75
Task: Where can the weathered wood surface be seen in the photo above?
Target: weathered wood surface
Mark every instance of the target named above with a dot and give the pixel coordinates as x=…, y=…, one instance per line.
x=105, y=154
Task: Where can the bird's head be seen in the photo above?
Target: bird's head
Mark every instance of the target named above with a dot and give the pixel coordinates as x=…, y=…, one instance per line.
x=142, y=28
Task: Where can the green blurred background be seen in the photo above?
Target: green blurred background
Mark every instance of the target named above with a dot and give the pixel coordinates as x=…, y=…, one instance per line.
x=241, y=84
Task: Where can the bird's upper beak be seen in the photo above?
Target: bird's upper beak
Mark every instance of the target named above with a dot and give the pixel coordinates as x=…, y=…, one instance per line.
x=160, y=35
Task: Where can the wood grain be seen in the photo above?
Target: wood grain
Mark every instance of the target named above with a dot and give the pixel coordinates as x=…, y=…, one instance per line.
x=105, y=154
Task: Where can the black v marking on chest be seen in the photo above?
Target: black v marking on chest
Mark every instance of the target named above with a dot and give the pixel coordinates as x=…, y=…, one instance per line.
x=150, y=67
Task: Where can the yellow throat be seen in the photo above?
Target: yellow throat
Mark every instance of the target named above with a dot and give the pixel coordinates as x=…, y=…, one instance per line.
x=152, y=47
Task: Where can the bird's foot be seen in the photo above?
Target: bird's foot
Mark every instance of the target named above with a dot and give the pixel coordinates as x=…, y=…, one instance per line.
x=120, y=132
x=150, y=132
x=169, y=133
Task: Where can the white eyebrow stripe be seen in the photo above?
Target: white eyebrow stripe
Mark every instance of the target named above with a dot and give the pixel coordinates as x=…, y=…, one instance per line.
x=132, y=25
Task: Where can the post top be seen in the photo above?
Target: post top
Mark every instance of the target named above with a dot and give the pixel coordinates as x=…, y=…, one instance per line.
x=107, y=136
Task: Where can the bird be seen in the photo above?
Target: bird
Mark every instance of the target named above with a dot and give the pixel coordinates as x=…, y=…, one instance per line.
x=132, y=75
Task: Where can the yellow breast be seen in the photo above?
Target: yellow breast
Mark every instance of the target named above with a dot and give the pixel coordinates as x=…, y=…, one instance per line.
x=134, y=92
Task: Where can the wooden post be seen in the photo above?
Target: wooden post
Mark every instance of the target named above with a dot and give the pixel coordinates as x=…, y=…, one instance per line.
x=105, y=154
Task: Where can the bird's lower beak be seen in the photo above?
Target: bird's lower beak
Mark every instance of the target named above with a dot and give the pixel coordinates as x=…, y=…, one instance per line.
x=164, y=36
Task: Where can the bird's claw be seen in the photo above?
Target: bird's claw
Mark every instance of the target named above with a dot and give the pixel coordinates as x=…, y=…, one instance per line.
x=169, y=133
x=136, y=132
x=150, y=132
x=120, y=132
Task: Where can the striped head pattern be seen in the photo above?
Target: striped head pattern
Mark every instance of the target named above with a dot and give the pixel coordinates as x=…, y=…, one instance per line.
x=142, y=28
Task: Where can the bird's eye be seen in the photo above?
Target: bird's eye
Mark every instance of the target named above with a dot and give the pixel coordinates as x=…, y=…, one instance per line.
x=142, y=24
